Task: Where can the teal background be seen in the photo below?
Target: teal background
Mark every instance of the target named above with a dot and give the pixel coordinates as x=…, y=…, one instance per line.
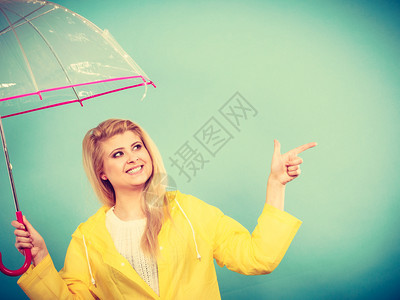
x=324, y=71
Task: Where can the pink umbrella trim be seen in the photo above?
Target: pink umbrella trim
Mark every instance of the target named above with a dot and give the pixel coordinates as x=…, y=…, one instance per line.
x=145, y=82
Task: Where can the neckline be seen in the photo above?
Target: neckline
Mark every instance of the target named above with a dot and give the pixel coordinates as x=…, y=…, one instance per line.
x=113, y=216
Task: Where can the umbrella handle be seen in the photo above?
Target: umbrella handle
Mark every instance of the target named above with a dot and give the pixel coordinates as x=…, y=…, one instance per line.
x=28, y=257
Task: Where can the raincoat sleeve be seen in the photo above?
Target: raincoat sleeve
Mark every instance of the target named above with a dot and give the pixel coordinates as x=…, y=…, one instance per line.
x=259, y=252
x=72, y=282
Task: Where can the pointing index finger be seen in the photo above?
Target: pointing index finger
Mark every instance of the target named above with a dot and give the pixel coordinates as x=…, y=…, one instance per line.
x=303, y=148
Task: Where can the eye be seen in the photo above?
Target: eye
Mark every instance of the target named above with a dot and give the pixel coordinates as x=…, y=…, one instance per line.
x=137, y=147
x=117, y=154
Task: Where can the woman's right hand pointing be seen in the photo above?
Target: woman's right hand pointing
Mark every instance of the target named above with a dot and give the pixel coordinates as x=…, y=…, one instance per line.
x=29, y=238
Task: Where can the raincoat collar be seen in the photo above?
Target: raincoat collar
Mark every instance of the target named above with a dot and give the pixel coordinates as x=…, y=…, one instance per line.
x=97, y=238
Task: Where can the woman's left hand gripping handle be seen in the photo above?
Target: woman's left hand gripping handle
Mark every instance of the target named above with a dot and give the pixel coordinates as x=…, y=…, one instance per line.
x=26, y=250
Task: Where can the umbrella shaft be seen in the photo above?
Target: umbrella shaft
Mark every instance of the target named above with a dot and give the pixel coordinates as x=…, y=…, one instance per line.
x=9, y=167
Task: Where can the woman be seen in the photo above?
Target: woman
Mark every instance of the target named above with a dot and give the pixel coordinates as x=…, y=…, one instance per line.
x=146, y=243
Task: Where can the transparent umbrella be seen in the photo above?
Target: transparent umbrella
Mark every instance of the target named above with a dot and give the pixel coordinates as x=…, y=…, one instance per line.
x=51, y=56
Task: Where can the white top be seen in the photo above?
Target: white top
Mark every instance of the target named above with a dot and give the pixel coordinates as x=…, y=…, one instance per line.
x=127, y=236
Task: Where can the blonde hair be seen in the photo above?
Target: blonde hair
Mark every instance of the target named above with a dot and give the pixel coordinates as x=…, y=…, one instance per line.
x=154, y=200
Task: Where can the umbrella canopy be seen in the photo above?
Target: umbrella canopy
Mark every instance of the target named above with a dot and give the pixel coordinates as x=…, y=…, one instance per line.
x=51, y=56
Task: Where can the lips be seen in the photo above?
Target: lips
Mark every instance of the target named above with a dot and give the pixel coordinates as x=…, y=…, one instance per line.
x=135, y=169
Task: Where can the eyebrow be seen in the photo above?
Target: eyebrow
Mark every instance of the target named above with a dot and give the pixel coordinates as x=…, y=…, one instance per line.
x=121, y=148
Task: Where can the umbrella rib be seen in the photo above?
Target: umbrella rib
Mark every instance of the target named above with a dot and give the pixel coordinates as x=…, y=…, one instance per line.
x=7, y=29
x=52, y=51
x=22, y=50
x=108, y=38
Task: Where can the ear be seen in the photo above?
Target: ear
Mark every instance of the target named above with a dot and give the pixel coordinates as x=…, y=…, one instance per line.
x=103, y=176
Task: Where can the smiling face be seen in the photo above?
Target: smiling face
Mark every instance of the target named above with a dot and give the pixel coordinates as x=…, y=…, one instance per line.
x=126, y=162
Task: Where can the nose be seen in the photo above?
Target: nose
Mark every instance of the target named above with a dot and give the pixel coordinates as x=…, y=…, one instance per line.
x=132, y=158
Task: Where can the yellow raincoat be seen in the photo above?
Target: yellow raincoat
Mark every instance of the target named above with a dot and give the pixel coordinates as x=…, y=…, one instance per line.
x=94, y=269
